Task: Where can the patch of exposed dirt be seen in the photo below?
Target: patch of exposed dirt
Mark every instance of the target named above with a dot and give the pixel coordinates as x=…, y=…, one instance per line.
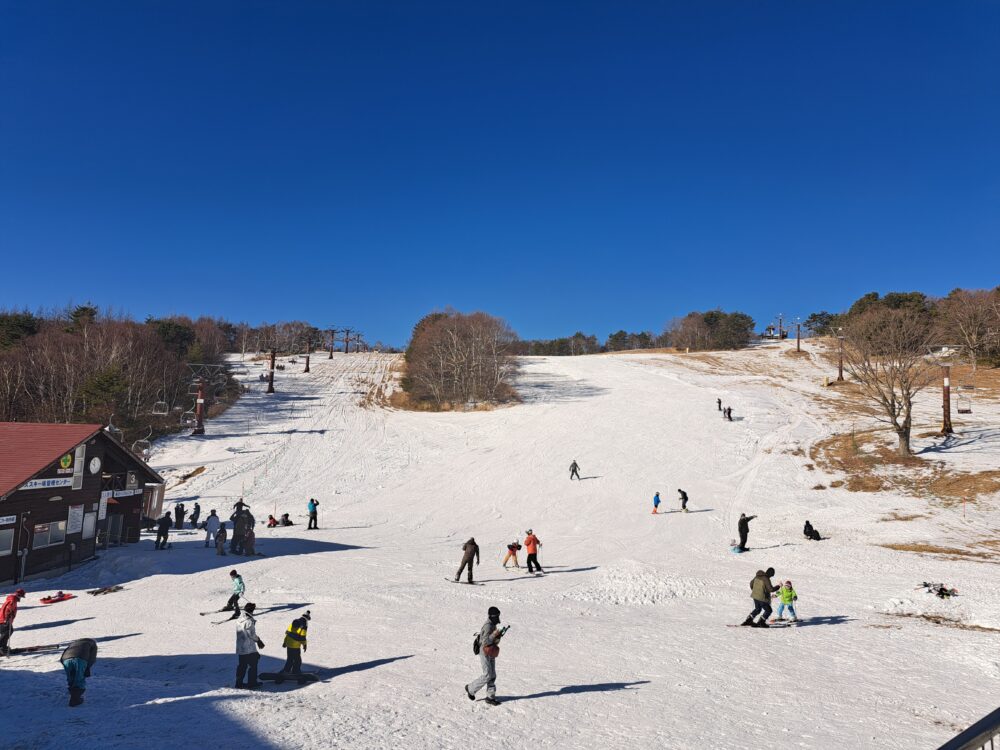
x=190, y=475
x=950, y=622
x=896, y=516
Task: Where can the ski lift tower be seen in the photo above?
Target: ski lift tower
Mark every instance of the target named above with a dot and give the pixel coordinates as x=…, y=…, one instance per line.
x=308, y=351
x=270, y=374
x=945, y=355
x=333, y=340
x=201, y=376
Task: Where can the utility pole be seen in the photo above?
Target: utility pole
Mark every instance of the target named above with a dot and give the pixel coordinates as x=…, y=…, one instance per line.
x=270, y=375
x=798, y=337
x=308, y=350
x=199, y=409
x=840, y=364
x=781, y=330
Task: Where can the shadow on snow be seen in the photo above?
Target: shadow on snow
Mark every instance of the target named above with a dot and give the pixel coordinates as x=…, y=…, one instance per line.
x=599, y=687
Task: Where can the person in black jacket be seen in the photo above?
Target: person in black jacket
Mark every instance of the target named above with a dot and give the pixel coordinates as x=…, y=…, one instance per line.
x=163, y=531
x=744, y=528
x=77, y=660
x=684, y=500
x=470, y=550
x=195, y=515
x=810, y=532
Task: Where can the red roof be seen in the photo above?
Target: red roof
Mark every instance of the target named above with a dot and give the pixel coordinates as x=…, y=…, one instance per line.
x=26, y=448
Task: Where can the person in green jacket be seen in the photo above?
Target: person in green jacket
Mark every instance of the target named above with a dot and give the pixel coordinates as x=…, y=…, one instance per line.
x=786, y=598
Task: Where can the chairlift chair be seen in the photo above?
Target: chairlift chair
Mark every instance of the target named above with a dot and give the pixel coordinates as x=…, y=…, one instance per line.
x=189, y=418
x=965, y=399
x=113, y=431
x=193, y=387
x=160, y=409
x=143, y=447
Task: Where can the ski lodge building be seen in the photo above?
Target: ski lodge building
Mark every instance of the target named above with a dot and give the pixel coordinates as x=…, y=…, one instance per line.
x=67, y=490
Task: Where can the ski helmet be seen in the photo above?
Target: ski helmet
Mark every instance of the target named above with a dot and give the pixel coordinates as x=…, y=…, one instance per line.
x=307, y=615
x=233, y=572
x=493, y=612
x=249, y=606
x=769, y=572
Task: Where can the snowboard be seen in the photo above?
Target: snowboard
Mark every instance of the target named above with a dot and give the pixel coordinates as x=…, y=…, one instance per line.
x=300, y=678
x=60, y=597
x=106, y=590
x=452, y=580
x=34, y=649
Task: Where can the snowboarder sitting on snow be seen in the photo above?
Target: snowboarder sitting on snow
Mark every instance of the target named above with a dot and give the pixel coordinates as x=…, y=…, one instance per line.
x=489, y=649
x=7, y=614
x=247, y=644
x=285, y=520
x=271, y=522
x=656, y=502
x=512, y=550
x=810, y=532
x=574, y=470
x=787, y=598
x=295, y=644
x=470, y=550
x=684, y=500
x=77, y=660
x=761, y=589
x=238, y=589
x=163, y=531
x=743, y=526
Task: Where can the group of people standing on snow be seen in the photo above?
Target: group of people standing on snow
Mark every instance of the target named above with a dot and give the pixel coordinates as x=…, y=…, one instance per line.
x=470, y=553
x=727, y=411
x=248, y=643
x=762, y=591
x=681, y=495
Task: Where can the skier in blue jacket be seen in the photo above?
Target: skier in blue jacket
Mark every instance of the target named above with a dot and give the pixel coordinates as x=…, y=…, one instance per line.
x=313, y=507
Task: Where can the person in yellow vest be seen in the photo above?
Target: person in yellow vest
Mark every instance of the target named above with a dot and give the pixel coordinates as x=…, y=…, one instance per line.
x=295, y=644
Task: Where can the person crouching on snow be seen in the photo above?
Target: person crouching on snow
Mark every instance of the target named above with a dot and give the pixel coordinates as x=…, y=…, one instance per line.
x=512, y=550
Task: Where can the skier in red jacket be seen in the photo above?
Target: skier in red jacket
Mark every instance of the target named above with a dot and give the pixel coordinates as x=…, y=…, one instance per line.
x=7, y=614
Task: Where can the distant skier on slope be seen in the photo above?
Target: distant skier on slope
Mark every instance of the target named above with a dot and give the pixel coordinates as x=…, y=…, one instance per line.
x=743, y=526
x=574, y=470
x=684, y=500
x=488, y=642
x=531, y=544
x=470, y=550
x=656, y=502
x=761, y=590
x=718, y=403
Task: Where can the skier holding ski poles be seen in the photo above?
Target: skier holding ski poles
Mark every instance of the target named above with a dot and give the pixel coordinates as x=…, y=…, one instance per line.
x=238, y=589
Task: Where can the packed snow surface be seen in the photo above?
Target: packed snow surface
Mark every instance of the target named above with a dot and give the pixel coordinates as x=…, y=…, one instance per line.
x=623, y=643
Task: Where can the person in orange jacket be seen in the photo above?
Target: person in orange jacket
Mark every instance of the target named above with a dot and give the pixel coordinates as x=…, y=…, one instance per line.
x=531, y=544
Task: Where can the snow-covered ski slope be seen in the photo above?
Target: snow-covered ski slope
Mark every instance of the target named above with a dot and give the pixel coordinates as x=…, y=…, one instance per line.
x=622, y=644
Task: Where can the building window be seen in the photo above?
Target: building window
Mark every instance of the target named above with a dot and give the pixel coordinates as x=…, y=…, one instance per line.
x=6, y=541
x=89, y=525
x=48, y=534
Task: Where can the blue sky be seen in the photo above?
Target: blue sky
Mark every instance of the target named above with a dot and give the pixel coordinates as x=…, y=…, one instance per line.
x=569, y=165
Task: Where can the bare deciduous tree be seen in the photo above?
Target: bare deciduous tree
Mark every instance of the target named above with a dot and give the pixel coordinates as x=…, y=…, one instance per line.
x=887, y=353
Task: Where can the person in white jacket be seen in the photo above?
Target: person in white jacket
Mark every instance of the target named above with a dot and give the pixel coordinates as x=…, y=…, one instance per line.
x=247, y=644
x=211, y=526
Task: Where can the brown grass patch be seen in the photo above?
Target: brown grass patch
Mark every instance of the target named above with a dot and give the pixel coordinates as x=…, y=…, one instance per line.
x=951, y=553
x=190, y=475
x=793, y=353
x=896, y=516
x=819, y=486
x=950, y=622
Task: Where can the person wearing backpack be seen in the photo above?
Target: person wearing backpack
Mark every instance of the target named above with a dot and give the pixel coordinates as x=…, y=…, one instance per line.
x=486, y=645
